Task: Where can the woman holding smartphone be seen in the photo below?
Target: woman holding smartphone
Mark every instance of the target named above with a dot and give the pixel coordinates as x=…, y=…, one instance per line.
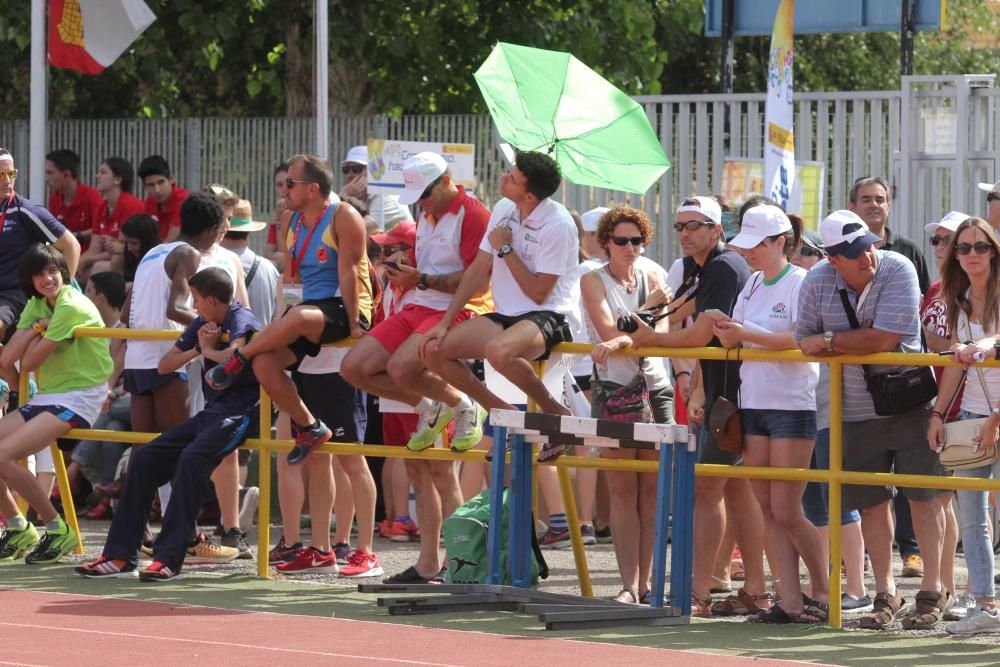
x=778, y=406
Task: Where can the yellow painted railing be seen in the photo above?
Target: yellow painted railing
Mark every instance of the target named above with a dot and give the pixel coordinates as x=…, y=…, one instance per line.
x=835, y=476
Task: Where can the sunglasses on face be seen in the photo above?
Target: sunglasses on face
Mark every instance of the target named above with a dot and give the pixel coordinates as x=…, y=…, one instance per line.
x=692, y=225
x=981, y=248
x=622, y=241
x=9, y=175
x=940, y=240
x=806, y=251
x=353, y=169
x=290, y=182
x=993, y=196
x=427, y=191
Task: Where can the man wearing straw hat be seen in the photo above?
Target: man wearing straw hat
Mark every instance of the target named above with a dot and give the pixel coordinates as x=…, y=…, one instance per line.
x=261, y=276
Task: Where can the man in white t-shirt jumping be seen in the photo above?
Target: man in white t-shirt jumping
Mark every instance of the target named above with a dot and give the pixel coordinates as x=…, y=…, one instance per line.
x=531, y=251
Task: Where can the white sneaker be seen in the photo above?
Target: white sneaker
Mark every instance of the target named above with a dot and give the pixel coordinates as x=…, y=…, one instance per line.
x=977, y=621
x=432, y=421
x=248, y=508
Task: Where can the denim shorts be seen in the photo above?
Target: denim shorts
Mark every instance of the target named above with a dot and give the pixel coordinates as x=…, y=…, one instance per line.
x=798, y=424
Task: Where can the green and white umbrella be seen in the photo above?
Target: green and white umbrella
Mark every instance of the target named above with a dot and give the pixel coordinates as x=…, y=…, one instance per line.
x=549, y=101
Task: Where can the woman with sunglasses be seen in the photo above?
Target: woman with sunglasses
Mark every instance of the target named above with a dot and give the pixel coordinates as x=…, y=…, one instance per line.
x=970, y=289
x=778, y=406
x=631, y=389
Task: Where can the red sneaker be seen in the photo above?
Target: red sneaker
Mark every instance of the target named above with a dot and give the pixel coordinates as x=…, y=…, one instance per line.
x=385, y=528
x=404, y=531
x=310, y=561
x=362, y=564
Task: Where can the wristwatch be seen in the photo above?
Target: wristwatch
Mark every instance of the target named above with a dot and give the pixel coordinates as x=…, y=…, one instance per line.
x=828, y=339
x=422, y=283
x=505, y=249
x=995, y=410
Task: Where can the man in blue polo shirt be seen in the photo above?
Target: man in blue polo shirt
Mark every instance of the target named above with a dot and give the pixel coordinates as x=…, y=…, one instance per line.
x=22, y=224
x=882, y=289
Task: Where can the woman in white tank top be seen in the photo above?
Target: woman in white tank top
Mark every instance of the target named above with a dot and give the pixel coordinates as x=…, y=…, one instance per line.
x=615, y=290
x=970, y=289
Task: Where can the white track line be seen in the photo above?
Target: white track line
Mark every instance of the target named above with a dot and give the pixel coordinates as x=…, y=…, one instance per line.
x=228, y=644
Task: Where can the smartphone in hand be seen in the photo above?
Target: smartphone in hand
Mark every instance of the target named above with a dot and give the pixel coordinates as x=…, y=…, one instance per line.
x=717, y=315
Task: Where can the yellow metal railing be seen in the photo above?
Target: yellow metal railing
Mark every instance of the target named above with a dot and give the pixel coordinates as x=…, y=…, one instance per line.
x=836, y=477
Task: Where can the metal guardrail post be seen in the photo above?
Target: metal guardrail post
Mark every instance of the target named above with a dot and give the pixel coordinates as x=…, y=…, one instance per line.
x=834, y=485
x=264, y=488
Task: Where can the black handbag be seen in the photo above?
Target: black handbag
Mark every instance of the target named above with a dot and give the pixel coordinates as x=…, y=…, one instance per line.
x=895, y=392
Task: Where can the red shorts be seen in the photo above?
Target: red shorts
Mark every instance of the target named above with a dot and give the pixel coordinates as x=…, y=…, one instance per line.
x=397, y=427
x=392, y=332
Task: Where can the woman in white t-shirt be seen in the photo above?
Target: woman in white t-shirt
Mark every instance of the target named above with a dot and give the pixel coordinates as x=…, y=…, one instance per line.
x=969, y=289
x=778, y=405
x=625, y=388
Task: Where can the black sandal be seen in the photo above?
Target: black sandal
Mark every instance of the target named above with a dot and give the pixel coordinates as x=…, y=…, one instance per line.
x=775, y=614
x=815, y=612
x=551, y=451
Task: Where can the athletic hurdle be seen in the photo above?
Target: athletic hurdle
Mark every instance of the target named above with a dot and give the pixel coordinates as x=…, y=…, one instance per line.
x=675, y=495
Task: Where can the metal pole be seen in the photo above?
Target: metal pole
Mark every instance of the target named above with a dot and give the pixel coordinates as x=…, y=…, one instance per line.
x=836, y=465
x=906, y=30
x=39, y=102
x=321, y=83
x=728, y=58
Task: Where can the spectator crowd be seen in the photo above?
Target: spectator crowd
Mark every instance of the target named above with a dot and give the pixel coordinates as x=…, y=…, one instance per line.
x=446, y=312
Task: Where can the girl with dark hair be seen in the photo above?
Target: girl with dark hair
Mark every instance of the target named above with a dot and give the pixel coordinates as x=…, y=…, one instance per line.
x=778, y=406
x=141, y=233
x=72, y=378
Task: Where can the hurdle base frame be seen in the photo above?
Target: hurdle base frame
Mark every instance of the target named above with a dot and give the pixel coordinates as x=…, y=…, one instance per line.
x=557, y=611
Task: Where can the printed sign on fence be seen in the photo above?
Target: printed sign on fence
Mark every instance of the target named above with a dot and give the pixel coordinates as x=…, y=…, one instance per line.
x=743, y=177
x=386, y=158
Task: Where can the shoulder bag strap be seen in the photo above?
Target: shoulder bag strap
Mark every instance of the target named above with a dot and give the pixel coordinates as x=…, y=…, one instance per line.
x=252, y=272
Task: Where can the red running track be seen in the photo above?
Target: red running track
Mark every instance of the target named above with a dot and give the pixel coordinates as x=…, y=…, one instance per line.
x=55, y=629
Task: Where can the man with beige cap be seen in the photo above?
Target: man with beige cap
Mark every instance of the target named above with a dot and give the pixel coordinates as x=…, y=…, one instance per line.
x=261, y=276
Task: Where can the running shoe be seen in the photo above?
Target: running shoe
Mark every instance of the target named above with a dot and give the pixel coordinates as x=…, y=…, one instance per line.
x=249, y=500
x=237, y=539
x=14, y=544
x=432, y=421
x=555, y=539
x=362, y=564
x=203, y=552
x=310, y=561
x=282, y=552
x=468, y=428
x=404, y=530
x=306, y=440
x=977, y=621
x=107, y=568
x=159, y=572
x=603, y=535
x=52, y=547
x=913, y=567
x=342, y=552
x=852, y=605
x=588, y=535
x=385, y=528
x=224, y=374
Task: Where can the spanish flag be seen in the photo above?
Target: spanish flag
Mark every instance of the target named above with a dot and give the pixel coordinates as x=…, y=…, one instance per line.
x=89, y=35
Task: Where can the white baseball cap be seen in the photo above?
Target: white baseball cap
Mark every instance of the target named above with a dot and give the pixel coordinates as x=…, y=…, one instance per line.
x=759, y=223
x=990, y=187
x=592, y=218
x=357, y=155
x=6, y=157
x=419, y=171
x=707, y=206
x=950, y=221
x=844, y=233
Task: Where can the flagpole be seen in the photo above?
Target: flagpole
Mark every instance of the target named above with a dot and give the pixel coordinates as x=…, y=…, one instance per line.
x=39, y=102
x=321, y=83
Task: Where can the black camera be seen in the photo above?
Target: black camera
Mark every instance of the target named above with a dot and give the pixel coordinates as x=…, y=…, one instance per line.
x=626, y=324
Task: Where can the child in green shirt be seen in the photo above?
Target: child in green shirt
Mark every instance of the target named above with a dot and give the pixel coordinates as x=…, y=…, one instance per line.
x=72, y=378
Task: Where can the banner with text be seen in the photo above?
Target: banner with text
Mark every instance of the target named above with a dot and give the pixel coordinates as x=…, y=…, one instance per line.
x=386, y=158
x=779, y=149
x=743, y=177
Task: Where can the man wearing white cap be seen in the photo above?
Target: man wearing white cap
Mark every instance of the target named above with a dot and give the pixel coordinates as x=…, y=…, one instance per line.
x=718, y=277
x=529, y=257
x=865, y=300
x=992, y=191
x=387, y=362
x=386, y=210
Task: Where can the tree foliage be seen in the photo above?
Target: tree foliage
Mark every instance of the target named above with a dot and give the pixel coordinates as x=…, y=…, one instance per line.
x=254, y=57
